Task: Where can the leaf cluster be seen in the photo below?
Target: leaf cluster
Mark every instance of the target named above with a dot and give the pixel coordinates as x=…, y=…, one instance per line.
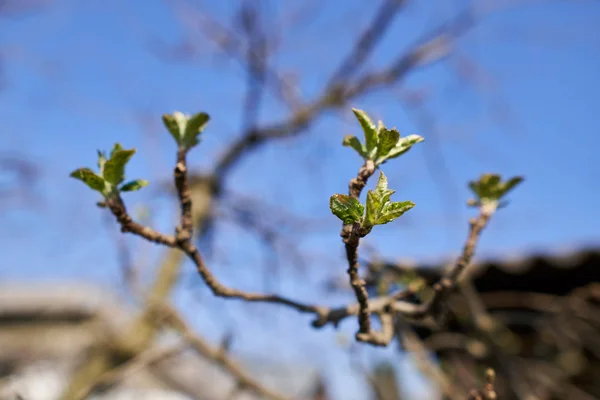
x=490, y=188
x=381, y=144
x=379, y=209
x=184, y=128
x=111, y=173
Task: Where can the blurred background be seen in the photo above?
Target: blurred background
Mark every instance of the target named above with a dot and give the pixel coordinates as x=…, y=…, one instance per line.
x=506, y=86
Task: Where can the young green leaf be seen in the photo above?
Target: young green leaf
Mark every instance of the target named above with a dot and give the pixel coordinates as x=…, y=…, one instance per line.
x=393, y=210
x=352, y=141
x=114, y=168
x=116, y=147
x=387, y=141
x=101, y=161
x=369, y=128
x=510, y=184
x=346, y=208
x=381, y=190
x=193, y=128
x=134, y=185
x=90, y=178
x=379, y=208
x=491, y=188
x=376, y=199
x=402, y=146
x=173, y=127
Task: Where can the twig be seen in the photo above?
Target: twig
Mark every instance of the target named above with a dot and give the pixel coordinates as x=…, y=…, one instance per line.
x=431, y=47
x=182, y=240
x=217, y=355
x=144, y=359
x=324, y=315
x=351, y=237
x=367, y=41
x=411, y=342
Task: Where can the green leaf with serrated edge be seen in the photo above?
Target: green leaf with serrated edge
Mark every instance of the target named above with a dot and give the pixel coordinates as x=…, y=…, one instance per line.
x=114, y=169
x=352, y=141
x=194, y=127
x=173, y=127
x=387, y=141
x=391, y=211
x=369, y=129
x=346, y=208
x=116, y=147
x=90, y=178
x=402, y=146
x=381, y=190
x=101, y=161
x=132, y=186
x=376, y=200
x=374, y=205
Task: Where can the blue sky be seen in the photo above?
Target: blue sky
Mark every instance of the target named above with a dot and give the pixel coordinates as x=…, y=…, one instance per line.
x=79, y=76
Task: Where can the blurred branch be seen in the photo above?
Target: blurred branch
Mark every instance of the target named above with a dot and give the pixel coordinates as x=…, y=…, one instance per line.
x=217, y=355
x=429, y=48
x=24, y=176
x=255, y=53
x=366, y=42
x=410, y=341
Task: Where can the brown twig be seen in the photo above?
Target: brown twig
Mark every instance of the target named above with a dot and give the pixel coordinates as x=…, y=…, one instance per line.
x=397, y=303
x=182, y=240
x=351, y=236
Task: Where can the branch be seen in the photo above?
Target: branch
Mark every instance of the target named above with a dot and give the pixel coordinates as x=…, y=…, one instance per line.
x=397, y=303
x=432, y=46
x=182, y=240
x=217, y=355
x=351, y=237
x=367, y=41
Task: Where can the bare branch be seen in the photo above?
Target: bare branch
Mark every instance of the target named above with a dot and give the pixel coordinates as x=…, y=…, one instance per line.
x=431, y=47
x=219, y=356
x=367, y=41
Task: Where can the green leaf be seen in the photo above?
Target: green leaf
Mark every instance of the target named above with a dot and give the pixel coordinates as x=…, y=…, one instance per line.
x=379, y=208
x=116, y=147
x=352, y=141
x=374, y=205
x=391, y=211
x=193, y=128
x=114, y=169
x=173, y=127
x=387, y=141
x=402, y=146
x=369, y=129
x=381, y=190
x=90, y=178
x=511, y=183
x=101, y=160
x=346, y=208
x=376, y=200
x=134, y=185
x=380, y=127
